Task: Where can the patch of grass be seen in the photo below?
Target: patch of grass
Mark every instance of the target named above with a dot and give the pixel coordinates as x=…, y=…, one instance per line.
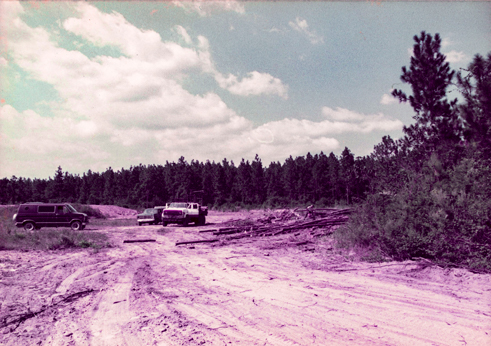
x=13, y=238
x=53, y=239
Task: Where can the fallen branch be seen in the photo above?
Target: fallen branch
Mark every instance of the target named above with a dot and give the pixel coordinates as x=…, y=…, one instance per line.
x=197, y=241
x=208, y=230
x=138, y=240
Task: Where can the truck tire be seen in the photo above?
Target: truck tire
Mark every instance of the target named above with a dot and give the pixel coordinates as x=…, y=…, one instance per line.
x=164, y=223
x=185, y=222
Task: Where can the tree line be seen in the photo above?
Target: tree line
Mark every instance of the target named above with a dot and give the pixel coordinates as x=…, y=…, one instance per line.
x=315, y=179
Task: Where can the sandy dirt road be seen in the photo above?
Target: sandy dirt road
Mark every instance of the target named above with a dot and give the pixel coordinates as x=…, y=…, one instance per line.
x=252, y=292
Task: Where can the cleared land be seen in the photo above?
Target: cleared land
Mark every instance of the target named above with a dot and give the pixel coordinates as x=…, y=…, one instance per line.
x=289, y=289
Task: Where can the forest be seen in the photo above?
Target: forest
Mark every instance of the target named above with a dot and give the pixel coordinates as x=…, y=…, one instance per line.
x=426, y=194
x=317, y=179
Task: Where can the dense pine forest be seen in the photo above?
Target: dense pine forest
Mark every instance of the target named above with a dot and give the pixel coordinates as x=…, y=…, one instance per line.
x=427, y=194
x=319, y=179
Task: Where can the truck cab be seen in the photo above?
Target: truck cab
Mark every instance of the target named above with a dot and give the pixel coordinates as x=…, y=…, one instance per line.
x=184, y=213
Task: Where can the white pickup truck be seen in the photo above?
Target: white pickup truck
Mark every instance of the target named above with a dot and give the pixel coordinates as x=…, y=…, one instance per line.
x=184, y=213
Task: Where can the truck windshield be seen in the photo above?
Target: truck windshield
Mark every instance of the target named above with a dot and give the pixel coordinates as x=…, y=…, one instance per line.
x=149, y=211
x=178, y=205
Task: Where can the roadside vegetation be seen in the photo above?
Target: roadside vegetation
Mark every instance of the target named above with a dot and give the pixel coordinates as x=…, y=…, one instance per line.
x=13, y=238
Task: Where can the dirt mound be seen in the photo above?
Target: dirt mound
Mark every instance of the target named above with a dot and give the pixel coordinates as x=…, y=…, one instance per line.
x=115, y=212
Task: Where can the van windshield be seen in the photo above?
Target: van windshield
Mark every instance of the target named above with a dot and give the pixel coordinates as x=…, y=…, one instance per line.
x=70, y=208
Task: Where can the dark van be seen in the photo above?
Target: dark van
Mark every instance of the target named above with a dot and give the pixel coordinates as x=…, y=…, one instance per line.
x=36, y=215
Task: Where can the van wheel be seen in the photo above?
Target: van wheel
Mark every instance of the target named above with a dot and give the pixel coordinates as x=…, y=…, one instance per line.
x=29, y=226
x=76, y=225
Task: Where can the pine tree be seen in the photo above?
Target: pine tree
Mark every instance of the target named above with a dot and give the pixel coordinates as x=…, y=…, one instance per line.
x=347, y=165
x=429, y=76
x=475, y=86
x=258, y=190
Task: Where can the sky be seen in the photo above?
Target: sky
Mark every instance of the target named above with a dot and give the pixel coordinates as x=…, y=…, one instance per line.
x=93, y=85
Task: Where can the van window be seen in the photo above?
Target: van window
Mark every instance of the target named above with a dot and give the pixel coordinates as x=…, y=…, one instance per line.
x=46, y=209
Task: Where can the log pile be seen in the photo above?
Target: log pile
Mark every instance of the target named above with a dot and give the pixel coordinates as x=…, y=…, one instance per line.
x=318, y=222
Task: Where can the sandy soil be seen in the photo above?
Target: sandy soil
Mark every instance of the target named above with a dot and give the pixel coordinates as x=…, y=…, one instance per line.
x=254, y=291
x=115, y=212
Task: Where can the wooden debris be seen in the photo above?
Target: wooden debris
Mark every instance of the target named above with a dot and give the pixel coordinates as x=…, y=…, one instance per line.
x=208, y=230
x=280, y=222
x=138, y=240
x=196, y=241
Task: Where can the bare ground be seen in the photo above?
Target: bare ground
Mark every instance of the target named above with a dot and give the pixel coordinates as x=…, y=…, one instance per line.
x=257, y=291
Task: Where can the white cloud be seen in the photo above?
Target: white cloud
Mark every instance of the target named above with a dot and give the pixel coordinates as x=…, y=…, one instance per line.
x=343, y=120
x=181, y=31
x=10, y=10
x=455, y=57
x=112, y=29
x=447, y=42
x=301, y=26
x=254, y=84
x=388, y=99
x=205, y=7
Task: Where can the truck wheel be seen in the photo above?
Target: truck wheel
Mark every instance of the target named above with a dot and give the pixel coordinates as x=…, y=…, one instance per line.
x=164, y=223
x=76, y=225
x=185, y=222
x=29, y=226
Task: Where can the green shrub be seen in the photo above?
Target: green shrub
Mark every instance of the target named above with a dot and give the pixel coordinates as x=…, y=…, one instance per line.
x=442, y=217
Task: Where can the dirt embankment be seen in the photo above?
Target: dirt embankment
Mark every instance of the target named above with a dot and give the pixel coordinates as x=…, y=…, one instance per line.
x=253, y=291
x=115, y=212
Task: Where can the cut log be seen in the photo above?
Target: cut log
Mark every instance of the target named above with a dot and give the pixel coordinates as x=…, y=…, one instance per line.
x=138, y=240
x=196, y=241
x=208, y=230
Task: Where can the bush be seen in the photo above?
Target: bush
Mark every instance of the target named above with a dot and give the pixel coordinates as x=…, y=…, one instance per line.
x=442, y=217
